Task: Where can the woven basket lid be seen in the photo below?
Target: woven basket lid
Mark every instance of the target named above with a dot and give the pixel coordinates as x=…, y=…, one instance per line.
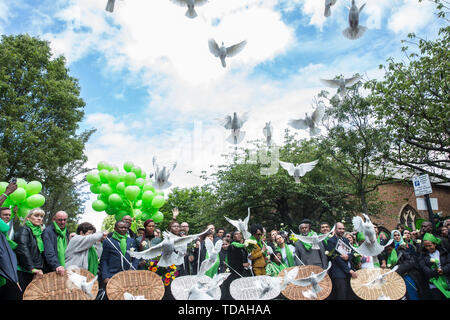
x=245, y=289
x=54, y=287
x=181, y=285
x=394, y=287
x=293, y=292
x=136, y=282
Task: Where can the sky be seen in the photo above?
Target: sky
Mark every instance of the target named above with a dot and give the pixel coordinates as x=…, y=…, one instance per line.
x=152, y=88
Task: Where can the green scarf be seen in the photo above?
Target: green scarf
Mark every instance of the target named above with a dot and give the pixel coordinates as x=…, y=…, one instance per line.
x=393, y=258
x=237, y=244
x=289, y=256
x=431, y=238
x=440, y=282
x=123, y=241
x=61, y=244
x=213, y=270
x=308, y=245
x=93, y=261
x=259, y=242
x=37, y=232
x=273, y=269
x=326, y=239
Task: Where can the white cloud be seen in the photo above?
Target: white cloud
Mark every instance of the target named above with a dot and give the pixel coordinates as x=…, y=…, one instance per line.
x=411, y=16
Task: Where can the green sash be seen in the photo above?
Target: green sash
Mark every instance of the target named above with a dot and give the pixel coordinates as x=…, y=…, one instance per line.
x=61, y=244
x=123, y=241
x=37, y=233
x=308, y=245
x=273, y=269
x=289, y=256
x=393, y=258
x=213, y=270
x=440, y=281
x=93, y=261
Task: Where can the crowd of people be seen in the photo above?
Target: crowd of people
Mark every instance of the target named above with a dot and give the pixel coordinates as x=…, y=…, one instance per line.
x=421, y=256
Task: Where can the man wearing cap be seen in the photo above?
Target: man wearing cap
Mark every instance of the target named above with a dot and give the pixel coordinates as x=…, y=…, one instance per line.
x=304, y=251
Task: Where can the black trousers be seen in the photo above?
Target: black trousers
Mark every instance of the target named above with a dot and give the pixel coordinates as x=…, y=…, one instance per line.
x=24, y=280
x=10, y=291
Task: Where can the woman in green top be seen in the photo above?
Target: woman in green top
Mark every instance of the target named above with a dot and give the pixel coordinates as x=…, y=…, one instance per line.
x=30, y=248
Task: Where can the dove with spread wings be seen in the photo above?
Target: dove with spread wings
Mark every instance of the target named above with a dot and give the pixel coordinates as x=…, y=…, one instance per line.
x=355, y=30
x=241, y=226
x=162, y=175
x=205, y=290
x=171, y=249
x=314, y=239
x=76, y=280
x=213, y=254
x=223, y=52
x=235, y=123
x=310, y=122
x=380, y=280
x=341, y=84
x=370, y=246
x=313, y=281
x=299, y=170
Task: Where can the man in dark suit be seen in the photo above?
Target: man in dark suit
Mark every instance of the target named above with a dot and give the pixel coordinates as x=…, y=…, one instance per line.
x=340, y=271
x=55, y=238
x=115, y=257
x=130, y=233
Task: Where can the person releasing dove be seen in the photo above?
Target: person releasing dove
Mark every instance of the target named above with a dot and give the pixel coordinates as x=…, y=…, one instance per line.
x=235, y=124
x=310, y=122
x=370, y=246
x=300, y=170
x=314, y=239
x=328, y=4
x=241, y=226
x=76, y=280
x=341, y=84
x=354, y=31
x=313, y=280
x=190, y=13
x=162, y=175
x=169, y=249
x=222, y=52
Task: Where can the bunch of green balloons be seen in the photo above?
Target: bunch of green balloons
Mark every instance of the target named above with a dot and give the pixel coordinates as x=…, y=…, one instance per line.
x=125, y=193
x=26, y=196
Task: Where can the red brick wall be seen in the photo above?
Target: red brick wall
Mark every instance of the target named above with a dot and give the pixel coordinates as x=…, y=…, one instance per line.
x=399, y=194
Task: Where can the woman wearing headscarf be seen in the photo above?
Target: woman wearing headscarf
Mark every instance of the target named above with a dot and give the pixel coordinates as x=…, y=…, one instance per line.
x=397, y=254
x=30, y=248
x=434, y=261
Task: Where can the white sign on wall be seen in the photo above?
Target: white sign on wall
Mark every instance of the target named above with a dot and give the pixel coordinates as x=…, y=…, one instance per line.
x=422, y=185
x=422, y=205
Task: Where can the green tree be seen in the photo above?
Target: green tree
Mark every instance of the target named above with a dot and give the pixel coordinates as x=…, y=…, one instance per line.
x=413, y=103
x=40, y=112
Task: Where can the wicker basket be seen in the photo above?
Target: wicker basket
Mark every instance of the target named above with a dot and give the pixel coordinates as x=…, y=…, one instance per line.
x=394, y=288
x=245, y=289
x=54, y=287
x=293, y=292
x=136, y=282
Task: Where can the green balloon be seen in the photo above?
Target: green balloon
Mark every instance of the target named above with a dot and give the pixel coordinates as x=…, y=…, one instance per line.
x=158, y=201
x=148, y=186
x=95, y=188
x=146, y=215
x=3, y=186
x=103, y=174
x=35, y=201
x=33, y=187
x=151, y=211
x=127, y=166
x=147, y=198
x=130, y=178
x=111, y=211
x=143, y=174
x=99, y=205
x=132, y=192
x=21, y=183
x=140, y=182
x=119, y=216
x=115, y=200
x=93, y=178
x=113, y=178
x=120, y=187
x=18, y=196
x=160, y=193
x=137, y=171
x=158, y=217
x=138, y=204
x=101, y=165
x=105, y=189
x=23, y=211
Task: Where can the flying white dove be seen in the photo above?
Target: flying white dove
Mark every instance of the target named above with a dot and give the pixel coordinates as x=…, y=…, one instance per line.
x=205, y=290
x=288, y=278
x=129, y=296
x=76, y=280
x=310, y=122
x=370, y=246
x=213, y=254
x=268, y=131
x=313, y=280
x=380, y=280
x=241, y=226
x=354, y=31
x=222, y=52
x=162, y=176
x=300, y=170
x=328, y=4
x=235, y=124
x=190, y=13
x=314, y=239
x=170, y=249
x=341, y=84
x=110, y=5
